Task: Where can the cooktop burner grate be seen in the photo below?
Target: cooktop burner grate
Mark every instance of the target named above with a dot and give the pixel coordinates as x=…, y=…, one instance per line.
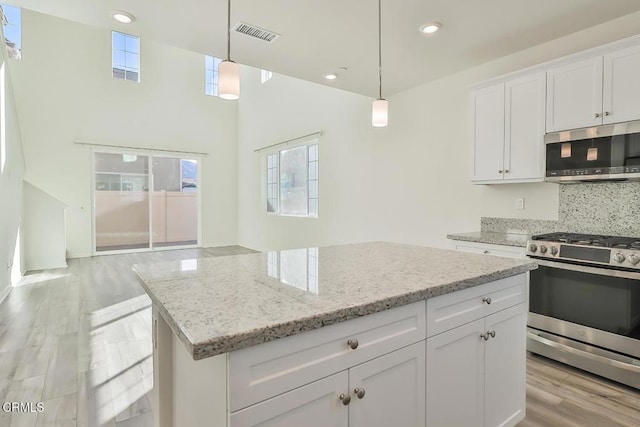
x=617, y=242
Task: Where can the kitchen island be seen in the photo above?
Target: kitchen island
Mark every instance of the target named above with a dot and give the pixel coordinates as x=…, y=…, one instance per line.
x=371, y=334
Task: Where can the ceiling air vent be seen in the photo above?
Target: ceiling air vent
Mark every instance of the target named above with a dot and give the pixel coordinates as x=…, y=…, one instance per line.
x=256, y=32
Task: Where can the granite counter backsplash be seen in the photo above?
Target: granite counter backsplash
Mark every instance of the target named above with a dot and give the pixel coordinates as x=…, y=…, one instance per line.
x=520, y=226
x=611, y=208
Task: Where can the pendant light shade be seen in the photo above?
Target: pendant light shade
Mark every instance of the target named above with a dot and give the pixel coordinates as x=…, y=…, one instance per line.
x=228, y=80
x=380, y=113
x=380, y=107
x=228, y=71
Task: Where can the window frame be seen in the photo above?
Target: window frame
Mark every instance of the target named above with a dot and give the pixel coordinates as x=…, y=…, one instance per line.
x=139, y=53
x=277, y=153
x=18, y=26
x=215, y=77
x=265, y=76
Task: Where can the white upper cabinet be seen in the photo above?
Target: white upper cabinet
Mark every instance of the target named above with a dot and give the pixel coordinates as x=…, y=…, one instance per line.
x=487, y=111
x=508, y=131
x=621, y=100
x=524, y=128
x=600, y=90
x=574, y=95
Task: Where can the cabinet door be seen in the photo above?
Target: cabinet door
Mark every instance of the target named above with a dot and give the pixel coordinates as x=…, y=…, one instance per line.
x=314, y=405
x=622, y=85
x=574, y=95
x=524, y=127
x=487, y=112
x=505, y=369
x=455, y=377
x=394, y=390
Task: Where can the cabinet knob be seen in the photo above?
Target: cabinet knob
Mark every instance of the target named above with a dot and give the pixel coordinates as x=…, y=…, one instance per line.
x=606, y=113
x=506, y=171
x=487, y=300
x=345, y=399
x=597, y=115
x=485, y=336
x=353, y=343
x=492, y=333
x=359, y=392
x=485, y=252
x=499, y=170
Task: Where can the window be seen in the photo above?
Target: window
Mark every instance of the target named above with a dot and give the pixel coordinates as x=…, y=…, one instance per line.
x=12, y=22
x=211, y=75
x=125, y=56
x=265, y=76
x=292, y=181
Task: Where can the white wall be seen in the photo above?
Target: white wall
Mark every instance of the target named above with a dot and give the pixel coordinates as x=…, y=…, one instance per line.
x=65, y=93
x=408, y=182
x=43, y=228
x=11, y=173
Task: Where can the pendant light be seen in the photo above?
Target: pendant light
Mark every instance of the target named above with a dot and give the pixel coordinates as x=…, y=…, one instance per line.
x=228, y=71
x=380, y=107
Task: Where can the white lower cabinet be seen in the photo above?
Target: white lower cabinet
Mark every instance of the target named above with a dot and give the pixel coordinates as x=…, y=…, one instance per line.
x=505, y=367
x=476, y=373
x=392, y=389
x=421, y=364
x=386, y=391
x=314, y=405
x=489, y=249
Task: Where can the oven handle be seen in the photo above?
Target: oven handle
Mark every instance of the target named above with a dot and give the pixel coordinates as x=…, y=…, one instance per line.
x=593, y=270
x=585, y=354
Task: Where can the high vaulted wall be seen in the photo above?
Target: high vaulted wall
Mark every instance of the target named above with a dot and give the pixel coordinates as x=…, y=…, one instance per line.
x=405, y=183
x=65, y=93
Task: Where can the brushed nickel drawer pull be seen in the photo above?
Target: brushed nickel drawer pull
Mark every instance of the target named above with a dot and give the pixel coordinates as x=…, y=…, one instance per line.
x=345, y=399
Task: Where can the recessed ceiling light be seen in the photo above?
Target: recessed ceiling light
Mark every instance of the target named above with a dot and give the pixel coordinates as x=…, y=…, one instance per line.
x=331, y=76
x=430, y=28
x=123, y=17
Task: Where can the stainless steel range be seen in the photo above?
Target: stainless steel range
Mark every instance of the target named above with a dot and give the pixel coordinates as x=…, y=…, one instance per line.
x=585, y=303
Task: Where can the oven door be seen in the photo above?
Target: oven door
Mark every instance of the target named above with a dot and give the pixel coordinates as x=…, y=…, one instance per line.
x=592, y=305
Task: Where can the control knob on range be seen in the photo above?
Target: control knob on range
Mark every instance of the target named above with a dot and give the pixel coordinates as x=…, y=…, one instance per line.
x=633, y=259
x=554, y=250
x=533, y=247
x=619, y=257
x=543, y=249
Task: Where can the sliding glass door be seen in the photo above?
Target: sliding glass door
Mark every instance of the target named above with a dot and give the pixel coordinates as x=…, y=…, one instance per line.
x=144, y=202
x=175, y=202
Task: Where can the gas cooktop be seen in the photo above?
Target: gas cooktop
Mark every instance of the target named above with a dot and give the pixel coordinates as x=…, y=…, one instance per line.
x=608, y=251
x=591, y=240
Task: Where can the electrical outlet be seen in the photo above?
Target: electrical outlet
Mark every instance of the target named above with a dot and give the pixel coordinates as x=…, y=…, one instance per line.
x=519, y=203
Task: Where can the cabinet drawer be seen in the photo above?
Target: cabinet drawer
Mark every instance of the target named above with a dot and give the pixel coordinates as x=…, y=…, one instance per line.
x=489, y=249
x=257, y=373
x=451, y=310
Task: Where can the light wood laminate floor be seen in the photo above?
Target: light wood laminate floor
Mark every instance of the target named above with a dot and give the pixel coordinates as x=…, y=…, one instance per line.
x=79, y=340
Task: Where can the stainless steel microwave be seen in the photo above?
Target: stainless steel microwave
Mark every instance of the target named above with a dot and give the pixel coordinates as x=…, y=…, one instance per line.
x=609, y=152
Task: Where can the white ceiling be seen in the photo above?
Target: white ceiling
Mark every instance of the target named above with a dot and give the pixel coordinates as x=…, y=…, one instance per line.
x=320, y=36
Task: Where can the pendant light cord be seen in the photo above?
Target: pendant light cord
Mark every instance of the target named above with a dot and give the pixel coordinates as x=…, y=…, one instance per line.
x=228, y=30
x=380, y=48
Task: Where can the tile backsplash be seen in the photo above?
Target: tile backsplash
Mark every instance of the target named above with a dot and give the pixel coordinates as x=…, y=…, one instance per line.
x=602, y=208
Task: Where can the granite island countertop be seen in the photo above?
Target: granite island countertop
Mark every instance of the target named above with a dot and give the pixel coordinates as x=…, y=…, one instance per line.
x=492, y=237
x=218, y=305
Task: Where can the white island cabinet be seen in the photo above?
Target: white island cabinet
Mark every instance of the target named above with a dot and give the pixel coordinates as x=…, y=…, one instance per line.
x=401, y=336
